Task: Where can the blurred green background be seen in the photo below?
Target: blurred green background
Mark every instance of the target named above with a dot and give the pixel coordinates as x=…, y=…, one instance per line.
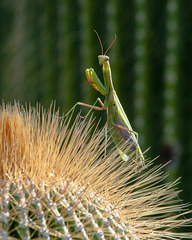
x=46, y=45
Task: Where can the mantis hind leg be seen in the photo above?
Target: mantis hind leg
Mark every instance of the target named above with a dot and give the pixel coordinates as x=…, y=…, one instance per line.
x=137, y=150
x=126, y=129
x=105, y=140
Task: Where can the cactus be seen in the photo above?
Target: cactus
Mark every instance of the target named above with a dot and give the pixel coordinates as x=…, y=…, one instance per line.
x=58, y=183
x=141, y=74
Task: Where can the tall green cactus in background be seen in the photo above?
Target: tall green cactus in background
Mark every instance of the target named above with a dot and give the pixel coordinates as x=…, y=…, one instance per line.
x=171, y=73
x=47, y=45
x=184, y=96
x=141, y=70
x=170, y=112
x=149, y=50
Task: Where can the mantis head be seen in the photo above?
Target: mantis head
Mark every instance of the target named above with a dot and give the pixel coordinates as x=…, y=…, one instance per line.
x=92, y=76
x=102, y=59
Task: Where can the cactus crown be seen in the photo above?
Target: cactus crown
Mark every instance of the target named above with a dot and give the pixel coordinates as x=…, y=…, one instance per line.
x=57, y=183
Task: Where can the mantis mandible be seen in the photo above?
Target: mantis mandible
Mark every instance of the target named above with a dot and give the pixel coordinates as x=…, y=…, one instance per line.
x=117, y=121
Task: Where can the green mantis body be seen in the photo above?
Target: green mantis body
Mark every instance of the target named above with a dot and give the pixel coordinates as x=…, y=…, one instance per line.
x=117, y=121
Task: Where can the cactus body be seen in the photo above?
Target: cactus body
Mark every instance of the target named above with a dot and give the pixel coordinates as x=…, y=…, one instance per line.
x=58, y=183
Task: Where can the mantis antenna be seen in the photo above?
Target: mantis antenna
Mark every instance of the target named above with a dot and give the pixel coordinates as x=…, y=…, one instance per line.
x=99, y=41
x=110, y=45
x=102, y=44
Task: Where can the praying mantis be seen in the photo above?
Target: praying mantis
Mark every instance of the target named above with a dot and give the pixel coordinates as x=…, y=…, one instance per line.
x=117, y=121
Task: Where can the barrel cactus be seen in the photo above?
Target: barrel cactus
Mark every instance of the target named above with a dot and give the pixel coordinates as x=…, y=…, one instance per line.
x=57, y=182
